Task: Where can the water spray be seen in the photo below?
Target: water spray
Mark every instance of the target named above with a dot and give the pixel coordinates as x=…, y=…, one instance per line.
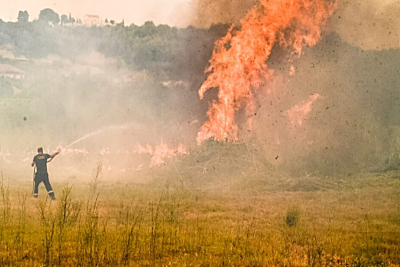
x=114, y=127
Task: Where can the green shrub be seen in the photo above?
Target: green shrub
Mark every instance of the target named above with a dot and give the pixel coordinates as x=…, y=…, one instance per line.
x=292, y=216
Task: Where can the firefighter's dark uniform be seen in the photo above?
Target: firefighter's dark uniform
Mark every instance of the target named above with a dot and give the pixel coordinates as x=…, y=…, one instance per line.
x=41, y=175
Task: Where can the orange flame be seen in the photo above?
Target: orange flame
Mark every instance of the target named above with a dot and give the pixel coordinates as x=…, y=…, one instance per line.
x=160, y=152
x=298, y=112
x=238, y=64
x=144, y=150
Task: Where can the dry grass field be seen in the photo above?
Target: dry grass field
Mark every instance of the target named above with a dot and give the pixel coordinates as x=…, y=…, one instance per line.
x=306, y=221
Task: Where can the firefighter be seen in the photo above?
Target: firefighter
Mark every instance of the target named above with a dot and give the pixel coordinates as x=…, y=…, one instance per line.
x=41, y=175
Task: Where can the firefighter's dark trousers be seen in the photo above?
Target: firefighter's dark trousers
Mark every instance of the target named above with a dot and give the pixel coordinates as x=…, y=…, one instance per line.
x=42, y=177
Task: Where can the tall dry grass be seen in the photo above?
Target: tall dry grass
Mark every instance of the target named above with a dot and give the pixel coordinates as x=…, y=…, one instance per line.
x=354, y=224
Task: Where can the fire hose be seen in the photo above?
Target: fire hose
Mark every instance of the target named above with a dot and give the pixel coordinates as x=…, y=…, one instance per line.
x=33, y=180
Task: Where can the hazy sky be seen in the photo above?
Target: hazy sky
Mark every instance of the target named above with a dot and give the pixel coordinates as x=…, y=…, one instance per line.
x=132, y=11
x=369, y=24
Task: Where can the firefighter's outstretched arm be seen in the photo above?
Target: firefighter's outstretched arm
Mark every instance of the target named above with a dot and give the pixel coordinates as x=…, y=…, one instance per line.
x=54, y=154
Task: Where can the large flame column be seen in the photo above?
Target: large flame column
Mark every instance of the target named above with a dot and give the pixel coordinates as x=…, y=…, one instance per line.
x=239, y=61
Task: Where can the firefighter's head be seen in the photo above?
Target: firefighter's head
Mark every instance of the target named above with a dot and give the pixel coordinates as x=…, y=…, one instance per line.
x=40, y=150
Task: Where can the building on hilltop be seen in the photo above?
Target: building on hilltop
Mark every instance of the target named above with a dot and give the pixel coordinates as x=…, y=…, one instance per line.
x=9, y=71
x=91, y=20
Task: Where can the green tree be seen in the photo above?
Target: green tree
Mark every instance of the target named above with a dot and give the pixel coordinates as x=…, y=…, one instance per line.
x=71, y=19
x=23, y=16
x=64, y=19
x=48, y=15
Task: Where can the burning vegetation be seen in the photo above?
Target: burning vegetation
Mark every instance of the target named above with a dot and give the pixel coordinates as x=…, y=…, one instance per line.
x=239, y=64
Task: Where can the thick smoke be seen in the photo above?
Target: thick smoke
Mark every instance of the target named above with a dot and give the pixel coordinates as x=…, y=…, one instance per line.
x=368, y=24
x=350, y=127
x=206, y=13
x=354, y=114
